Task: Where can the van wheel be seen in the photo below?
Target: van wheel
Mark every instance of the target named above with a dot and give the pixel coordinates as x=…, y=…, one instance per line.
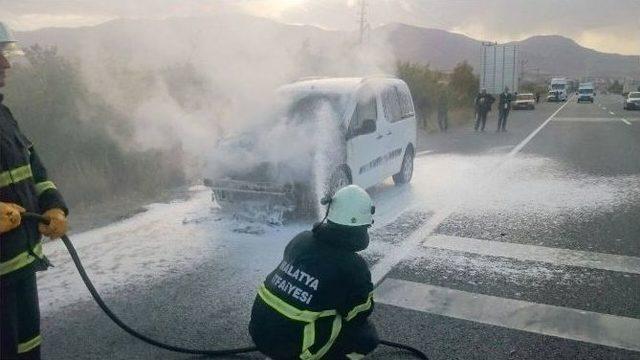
x=406, y=171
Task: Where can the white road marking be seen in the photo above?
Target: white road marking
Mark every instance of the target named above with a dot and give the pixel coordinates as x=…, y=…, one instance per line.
x=626, y=121
x=523, y=252
x=611, y=113
x=584, y=119
x=424, y=152
x=384, y=265
x=603, y=329
x=524, y=142
x=604, y=108
x=392, y=258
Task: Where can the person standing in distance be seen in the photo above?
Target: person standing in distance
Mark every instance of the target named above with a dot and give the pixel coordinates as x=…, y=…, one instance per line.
x=443, y=112
x=483, y=104
x=504, y=104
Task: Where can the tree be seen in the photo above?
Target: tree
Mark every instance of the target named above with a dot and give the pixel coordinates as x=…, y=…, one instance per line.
x=533, y=87
x=423, y=84
x=71, y=129
x=464, y=84
x=616, y=87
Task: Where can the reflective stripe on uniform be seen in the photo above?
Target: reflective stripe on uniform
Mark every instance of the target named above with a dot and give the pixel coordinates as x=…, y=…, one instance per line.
x=360, y=308
x=15, y=175
x=335, y=331
x=309, y=317
x=21, y=260
x=44, y=186
x=355, y=356
x=23, y=347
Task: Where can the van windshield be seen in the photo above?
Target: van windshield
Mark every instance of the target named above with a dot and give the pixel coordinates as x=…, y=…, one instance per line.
x=586, y=91
x=314, y=107
x=558, y=86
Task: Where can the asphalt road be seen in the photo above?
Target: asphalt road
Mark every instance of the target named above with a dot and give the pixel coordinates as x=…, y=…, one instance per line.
x=533, y=253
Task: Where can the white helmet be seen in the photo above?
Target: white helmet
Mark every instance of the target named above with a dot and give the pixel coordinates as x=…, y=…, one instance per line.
x=8, y=44
x=351, y=206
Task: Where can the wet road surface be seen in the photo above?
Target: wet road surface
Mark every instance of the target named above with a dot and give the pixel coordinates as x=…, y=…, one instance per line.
x=504, y=246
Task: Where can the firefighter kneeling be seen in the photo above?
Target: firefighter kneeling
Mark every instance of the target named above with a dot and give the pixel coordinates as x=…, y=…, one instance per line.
x=315, y=304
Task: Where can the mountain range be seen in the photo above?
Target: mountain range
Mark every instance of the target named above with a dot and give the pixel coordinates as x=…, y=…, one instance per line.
x=442, y=50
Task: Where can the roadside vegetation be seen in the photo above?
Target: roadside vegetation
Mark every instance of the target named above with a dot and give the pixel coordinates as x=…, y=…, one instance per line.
x=616, y=87
x=534, y=88
x=80, y=138
x=429, y=87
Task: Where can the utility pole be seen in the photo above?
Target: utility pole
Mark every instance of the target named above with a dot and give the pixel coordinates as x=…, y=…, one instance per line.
x=364, y=24
x=523, y=63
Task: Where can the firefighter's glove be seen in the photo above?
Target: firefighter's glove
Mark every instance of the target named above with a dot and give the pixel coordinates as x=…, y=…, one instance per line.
x=57, y=224
x=10, y=216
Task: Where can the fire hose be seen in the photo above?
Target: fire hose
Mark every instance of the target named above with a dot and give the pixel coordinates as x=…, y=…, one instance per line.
x=211, y=353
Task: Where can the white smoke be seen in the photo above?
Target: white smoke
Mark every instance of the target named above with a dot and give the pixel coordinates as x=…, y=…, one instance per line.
x=187, y=83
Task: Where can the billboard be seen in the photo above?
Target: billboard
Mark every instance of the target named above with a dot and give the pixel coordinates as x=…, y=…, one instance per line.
x=499, y=67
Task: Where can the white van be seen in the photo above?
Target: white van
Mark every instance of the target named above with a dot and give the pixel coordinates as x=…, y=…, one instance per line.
x=377, y=125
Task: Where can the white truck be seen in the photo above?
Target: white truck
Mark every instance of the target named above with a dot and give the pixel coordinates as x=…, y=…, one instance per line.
x=558, y=89
x=586, y=92
x=375, y=138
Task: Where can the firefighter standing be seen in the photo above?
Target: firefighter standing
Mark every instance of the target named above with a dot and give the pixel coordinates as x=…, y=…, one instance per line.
x=24, y=186
x=483, y=104
x=504, y=105
x=316, y=303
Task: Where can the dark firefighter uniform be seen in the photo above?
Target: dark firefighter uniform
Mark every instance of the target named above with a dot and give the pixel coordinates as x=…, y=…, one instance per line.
x=23, y=181
x=315, y=304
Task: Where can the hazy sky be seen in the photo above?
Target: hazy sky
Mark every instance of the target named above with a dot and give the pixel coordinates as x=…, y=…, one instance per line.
x=606, y=25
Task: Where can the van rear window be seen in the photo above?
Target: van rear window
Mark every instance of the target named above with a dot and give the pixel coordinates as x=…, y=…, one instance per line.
x=397, y=104
x=391, y=104
x=406, y=105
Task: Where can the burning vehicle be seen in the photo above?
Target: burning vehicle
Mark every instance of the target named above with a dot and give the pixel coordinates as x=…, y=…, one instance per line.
x=325, y=133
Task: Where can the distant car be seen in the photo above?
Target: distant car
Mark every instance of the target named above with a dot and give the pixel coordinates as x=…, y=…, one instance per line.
x=556, y=96
x=525, y=101
x=632, y=102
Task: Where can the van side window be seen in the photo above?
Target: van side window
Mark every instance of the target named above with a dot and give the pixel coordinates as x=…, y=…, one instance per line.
x=366, y=109
x=406, y=105
x=391, y=104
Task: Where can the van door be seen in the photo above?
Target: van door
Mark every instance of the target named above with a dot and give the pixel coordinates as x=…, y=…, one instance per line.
x=365, y=143
x=396, y=128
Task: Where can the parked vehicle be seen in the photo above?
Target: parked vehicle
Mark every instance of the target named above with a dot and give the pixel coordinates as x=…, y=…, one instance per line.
x=377, y=138
x=526, y=101
x=632, y=102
